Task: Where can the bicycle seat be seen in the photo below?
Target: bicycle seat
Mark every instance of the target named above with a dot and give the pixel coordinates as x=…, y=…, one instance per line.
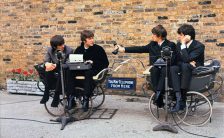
x=99, y=77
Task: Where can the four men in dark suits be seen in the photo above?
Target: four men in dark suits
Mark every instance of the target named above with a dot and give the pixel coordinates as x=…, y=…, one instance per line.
x=187, y=55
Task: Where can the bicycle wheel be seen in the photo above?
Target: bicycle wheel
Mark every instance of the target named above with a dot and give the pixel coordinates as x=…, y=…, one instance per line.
x=199, y=109
x=217, y=87
x=160, y=113
x=54, y=111
x=98, y=97
x=40, y=86
x=214, y=89
x=146, y=89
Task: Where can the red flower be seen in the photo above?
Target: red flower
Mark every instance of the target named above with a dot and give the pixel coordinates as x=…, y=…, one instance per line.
x=25, y=73
x=19, y=70
x=31, y=71
x=13, y=71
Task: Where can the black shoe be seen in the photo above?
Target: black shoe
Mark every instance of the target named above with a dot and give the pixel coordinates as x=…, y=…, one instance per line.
x=176, y=108
x=85, y=105
x=182, y=105
x=158, y=101
x=179, y=102
x=71, y=104
x=44, y=99
x=179, y=106
x=160, y=105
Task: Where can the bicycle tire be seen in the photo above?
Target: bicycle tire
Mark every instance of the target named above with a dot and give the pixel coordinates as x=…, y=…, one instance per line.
x=98, y=97
x=159, y=114
x=195, y=101
x=54, y=111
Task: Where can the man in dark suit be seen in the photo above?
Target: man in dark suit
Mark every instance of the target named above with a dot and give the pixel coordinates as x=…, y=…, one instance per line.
x=93, y=54
x=190, y=55
x=52, y=68
x=154, y=48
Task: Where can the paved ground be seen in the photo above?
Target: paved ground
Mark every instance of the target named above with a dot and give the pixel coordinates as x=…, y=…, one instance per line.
x=132, y=120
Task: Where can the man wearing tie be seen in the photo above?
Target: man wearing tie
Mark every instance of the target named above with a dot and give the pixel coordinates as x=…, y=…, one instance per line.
x=190, y=55
x=154, y=48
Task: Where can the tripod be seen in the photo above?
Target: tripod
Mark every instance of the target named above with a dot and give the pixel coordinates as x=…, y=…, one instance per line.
x=165, y=126
x=66, y=117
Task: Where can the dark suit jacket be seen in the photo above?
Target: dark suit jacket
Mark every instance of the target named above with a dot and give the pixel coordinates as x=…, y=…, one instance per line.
x=95, y=53
x=51, y=54
x=195, y=52
x=154, y=50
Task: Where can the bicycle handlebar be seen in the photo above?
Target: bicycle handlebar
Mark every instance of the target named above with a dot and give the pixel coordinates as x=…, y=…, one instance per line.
x=124, y=62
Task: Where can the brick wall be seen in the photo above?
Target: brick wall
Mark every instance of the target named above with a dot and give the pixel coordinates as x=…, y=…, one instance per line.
x=27, y=25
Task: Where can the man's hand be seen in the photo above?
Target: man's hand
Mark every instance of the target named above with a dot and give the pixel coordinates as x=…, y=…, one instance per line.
x=185, y=39
x=193, y=63
x=50, y=66
x=120, y=48
x=89, y=61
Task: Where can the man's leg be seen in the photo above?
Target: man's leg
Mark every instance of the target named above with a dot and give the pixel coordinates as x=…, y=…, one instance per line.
x=89, y=86
x=175, y=78
x=161, y=86
x=58, y=90
x=161, y=81
x=158, y=85
x=155, y=72
x=50, y=83
x=175, y=81
x=186, y=74
x=70, y=85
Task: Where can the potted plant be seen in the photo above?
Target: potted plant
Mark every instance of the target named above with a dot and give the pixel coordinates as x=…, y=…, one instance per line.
x=23, y=82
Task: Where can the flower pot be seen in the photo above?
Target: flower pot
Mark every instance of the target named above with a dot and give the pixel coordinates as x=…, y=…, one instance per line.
x=24, y=87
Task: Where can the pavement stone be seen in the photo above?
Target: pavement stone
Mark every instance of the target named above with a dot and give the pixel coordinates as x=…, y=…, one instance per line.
x=132, y=120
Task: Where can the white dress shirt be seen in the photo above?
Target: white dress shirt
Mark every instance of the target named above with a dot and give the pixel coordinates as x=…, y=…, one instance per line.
x=186, y=45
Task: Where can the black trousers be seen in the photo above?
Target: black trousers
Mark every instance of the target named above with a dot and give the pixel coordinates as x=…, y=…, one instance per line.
x=53, y=81
x=175, y=78
x=181, y=81
x=158, y=78
x=88, y=83
x=186, y=75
